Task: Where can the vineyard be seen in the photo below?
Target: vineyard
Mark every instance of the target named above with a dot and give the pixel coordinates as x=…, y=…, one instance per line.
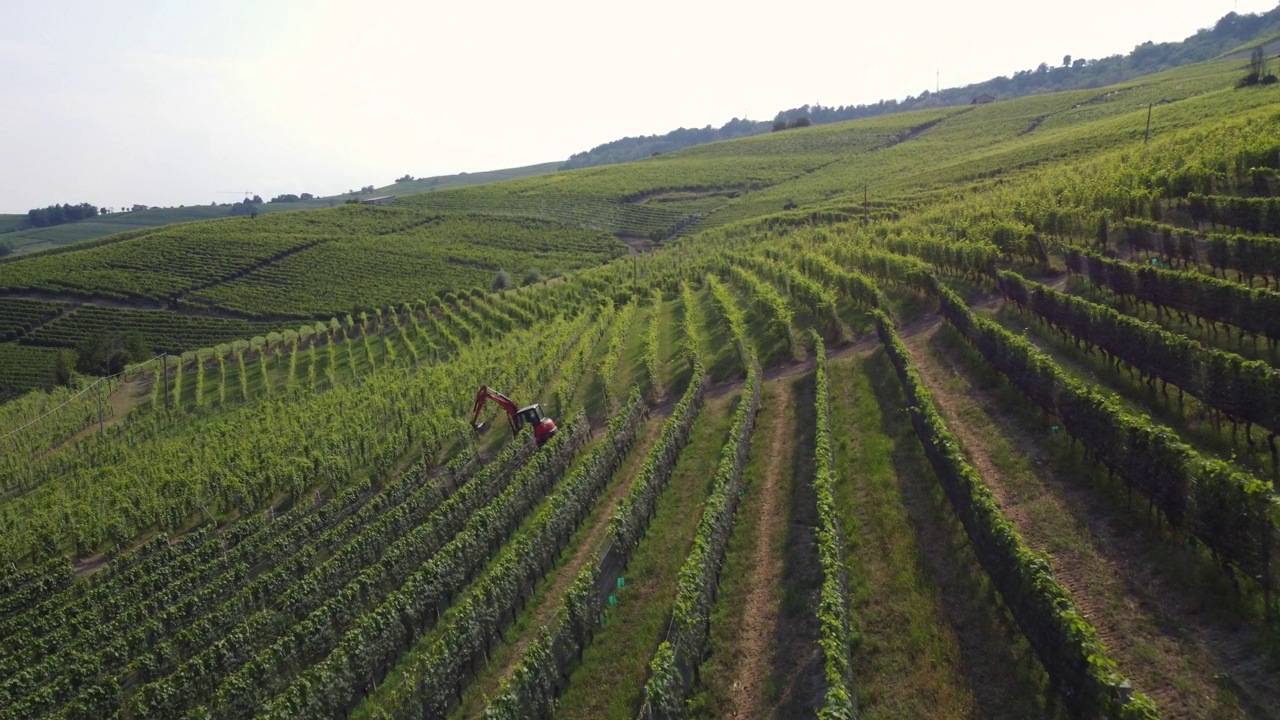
x=994, y=437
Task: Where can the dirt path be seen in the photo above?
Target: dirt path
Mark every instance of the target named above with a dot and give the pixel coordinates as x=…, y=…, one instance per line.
x=636, y=245
x=762, y=605
x=1056, y=514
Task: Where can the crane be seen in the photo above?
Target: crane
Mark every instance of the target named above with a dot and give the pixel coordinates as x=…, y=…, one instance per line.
x=543, y=426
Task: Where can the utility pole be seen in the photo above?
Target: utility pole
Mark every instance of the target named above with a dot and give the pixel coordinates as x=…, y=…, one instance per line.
x=1147, y=136
x=102, y=431
x=164, y=359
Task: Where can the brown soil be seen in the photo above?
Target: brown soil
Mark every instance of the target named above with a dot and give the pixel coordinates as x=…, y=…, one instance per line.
x=1147, y=628
x=128, y=395
x=861, y=343
x=636, y=245
x=761, y=607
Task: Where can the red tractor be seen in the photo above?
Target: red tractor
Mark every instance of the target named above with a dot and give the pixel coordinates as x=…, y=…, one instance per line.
x=543, y=426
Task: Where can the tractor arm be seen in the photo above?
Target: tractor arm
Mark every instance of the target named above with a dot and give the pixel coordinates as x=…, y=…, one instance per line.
x=484, y=396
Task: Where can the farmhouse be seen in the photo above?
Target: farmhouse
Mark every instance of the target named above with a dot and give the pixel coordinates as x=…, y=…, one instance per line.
x=383, y=200
x=983, y=99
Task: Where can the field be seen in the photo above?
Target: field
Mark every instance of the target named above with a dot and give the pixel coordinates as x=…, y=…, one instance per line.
x=22, y=239
x=961, y=413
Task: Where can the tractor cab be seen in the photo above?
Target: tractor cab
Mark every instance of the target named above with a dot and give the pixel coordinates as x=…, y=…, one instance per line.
x=531, y=415
x=543, y=426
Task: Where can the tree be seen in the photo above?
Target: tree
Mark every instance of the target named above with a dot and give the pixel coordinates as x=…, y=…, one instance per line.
x=1257, y=70
x=107, y=353
x=64, y=366
x=59, y=214
x=407, y=178
x=1066, y=61
x=503, y=281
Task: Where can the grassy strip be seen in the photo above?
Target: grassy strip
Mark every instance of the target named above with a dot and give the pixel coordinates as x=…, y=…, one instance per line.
x=619, y=652
x=1064, y=640
x=673, y=664
x=652, y=366
x=928, y=639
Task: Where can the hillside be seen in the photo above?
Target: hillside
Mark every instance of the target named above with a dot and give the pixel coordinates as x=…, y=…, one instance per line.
x=952, y=413
x=18, y=236
x=1228, y=33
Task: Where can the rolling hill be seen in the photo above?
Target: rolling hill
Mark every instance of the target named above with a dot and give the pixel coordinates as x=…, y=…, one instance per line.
x=21, y=238
x=965, y=412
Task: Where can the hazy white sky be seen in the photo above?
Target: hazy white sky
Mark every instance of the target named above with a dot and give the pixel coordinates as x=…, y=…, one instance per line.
x=169, y=102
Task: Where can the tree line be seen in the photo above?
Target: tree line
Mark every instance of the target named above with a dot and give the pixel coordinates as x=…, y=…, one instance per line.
x=59, y=214
x=1231, y=31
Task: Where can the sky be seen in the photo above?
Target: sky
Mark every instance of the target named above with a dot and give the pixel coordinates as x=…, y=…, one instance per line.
x=171, y=102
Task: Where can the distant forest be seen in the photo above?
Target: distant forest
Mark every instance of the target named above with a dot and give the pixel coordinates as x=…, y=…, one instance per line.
x=59, y=214
x=1070, y=73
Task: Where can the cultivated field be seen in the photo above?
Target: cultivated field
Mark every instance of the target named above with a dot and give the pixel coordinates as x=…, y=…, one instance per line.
x=960, y=413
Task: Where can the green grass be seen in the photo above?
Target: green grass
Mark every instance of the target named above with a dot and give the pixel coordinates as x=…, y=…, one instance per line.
x=932, y=637
x=918, y=590
x=11, y=223
x=909, y=661
x=1057, y=512
x=618, y=657
x=447, y=182
x=793, y=660
x=724, y=362
x=631, y=371
x=15, y=232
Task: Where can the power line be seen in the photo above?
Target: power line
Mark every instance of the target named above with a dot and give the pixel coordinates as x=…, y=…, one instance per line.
x=71, y=399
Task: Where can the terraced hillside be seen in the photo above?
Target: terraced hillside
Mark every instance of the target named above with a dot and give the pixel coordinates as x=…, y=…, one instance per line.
x=998, y=443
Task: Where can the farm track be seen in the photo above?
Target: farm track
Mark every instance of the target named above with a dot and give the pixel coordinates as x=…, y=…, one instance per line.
x=1156, y=650
x=755, y=652
x=864, y=343
x=1151, y=604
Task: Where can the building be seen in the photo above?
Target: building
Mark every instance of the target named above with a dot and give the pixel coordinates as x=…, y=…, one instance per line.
x=983, y=99
x=384, y=200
